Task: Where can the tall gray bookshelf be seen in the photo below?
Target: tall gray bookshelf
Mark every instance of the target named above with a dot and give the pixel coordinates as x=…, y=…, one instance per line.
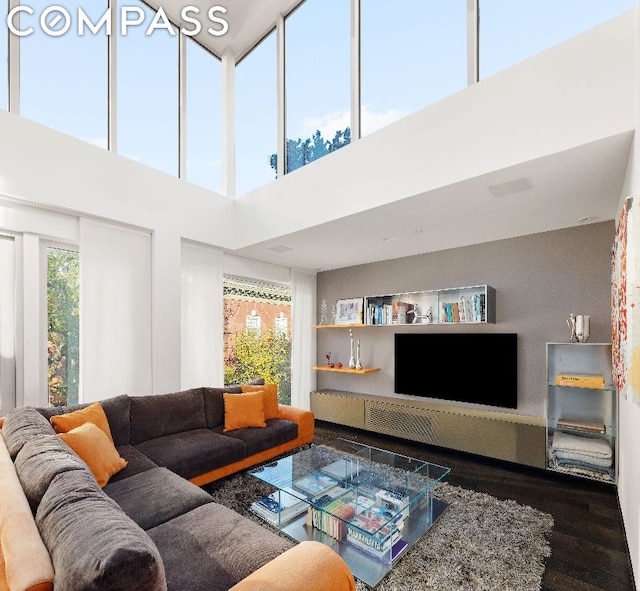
x=582, y=417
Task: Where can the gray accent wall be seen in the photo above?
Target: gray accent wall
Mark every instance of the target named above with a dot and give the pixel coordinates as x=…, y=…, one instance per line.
x=539, y=280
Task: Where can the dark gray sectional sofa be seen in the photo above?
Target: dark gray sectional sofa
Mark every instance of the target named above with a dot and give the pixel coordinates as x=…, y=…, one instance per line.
x=149, y=528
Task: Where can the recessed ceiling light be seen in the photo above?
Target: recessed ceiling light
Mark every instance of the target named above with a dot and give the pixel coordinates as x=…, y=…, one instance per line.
x=511, y=187
x=388, y=238
x=280, y=248
x=587, y=219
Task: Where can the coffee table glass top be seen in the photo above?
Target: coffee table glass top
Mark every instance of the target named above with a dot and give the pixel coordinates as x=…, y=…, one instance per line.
x=368, y=503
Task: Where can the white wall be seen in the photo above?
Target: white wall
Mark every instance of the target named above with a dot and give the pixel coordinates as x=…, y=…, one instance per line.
x=629, y=401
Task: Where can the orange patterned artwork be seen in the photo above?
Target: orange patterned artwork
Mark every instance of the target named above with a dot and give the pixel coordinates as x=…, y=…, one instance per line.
x=619, y=323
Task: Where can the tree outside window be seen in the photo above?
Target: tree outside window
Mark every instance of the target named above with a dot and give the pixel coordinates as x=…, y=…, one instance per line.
x=63, y=326
x=255, y=345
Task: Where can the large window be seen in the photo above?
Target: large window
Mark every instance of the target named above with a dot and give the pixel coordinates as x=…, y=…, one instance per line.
x=256, y=118
x=204, y=117
x=4, y=49
x=257, y=341
x=63, y=322
x=318, y=79
x=510, y=34
x=148, y=93
x=408, y=65
x=63, y=79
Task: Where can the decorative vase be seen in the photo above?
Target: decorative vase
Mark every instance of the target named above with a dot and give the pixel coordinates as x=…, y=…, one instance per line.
x=358, y=362
x=582, y=328
x=352, y=359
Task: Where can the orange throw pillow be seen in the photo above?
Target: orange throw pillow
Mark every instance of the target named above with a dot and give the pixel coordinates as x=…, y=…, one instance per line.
x=95, y=449
x=94, y=413
x=243, y=410
x=269, y=398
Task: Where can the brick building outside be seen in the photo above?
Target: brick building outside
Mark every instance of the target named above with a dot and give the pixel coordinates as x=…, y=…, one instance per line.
x=254, y=306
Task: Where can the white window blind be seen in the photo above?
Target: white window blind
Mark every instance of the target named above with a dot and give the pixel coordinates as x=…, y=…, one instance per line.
x=115, y=303
x=7, y=326
x=202, y=317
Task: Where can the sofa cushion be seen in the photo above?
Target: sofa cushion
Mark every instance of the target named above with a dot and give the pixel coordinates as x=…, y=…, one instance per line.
x=94, y=546
x=192, y=453
x=278, y=431
x=156, y=496
x=93, y=446
x=20, y=425
x=39, y=461
x=243, y=410
x=164, y=414
x=214, y=404
x=212, y=548
x=269, y=398
x=136, y=462
x=93, y=413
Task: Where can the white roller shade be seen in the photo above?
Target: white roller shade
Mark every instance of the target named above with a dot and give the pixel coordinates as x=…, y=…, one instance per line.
x=115, y=310
x=7, y=326
x=202, y=317
x=303, y=343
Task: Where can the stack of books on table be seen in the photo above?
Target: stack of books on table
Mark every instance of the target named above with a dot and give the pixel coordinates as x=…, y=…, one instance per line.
x=369, y=531
x=279, y=508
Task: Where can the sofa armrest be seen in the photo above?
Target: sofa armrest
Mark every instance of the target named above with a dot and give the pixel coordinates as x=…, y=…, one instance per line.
x=311, y=566
x=304, y=418
x=26, y=564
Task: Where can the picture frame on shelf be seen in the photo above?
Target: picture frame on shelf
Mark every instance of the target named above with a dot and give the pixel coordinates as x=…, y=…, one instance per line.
x=349, y=311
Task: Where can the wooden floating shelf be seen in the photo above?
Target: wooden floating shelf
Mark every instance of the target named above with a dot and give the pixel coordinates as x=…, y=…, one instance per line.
x=339, y=325
x=346, y=369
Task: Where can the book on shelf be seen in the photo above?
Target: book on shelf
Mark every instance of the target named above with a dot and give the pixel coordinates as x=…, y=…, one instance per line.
x=399, y=312
x=330, y=517
x=279, y=508
x=396, y=548
x=586, y=426
x=315, y=484
x=580, y=380
x=396, y=502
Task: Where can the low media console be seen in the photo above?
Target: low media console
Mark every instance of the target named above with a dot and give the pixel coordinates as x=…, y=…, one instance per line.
x=494, y=434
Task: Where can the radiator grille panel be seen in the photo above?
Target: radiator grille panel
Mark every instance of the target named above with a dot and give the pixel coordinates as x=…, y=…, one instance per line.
x=404, y=421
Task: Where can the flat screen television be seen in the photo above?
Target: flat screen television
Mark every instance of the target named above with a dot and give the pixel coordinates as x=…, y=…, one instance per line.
x=466, y=367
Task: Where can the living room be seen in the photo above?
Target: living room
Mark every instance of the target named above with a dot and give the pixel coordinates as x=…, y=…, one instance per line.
x=58, y=189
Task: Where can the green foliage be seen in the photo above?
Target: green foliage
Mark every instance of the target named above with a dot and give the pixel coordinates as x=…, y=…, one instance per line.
x=261, y=355
x=63, y=317
x=301, y=152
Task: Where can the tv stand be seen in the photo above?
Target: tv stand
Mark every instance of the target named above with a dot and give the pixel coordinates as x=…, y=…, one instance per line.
x=495, y=434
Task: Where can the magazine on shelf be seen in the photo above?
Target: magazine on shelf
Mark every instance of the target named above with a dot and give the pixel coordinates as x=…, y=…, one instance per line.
x=316, y=484
x=279, y=507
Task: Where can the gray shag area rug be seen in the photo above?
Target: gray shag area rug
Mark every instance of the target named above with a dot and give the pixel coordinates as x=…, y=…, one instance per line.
x=480, y=543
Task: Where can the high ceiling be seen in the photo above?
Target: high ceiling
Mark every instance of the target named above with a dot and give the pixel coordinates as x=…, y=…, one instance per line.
x=576, y=187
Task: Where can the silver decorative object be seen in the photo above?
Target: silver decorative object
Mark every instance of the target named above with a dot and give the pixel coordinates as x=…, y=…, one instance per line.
x=352, y=359
x=324, y=315
x=571, y=323
x=582, y=328
x=358, y=362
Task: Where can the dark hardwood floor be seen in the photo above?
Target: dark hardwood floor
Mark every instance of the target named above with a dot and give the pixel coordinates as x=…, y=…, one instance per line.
x=588, y=547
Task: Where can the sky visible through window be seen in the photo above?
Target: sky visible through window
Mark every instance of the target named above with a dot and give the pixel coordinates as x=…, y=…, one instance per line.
x=64, y=79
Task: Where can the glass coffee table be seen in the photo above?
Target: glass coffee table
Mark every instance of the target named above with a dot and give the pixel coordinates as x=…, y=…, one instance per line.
x=370, y=505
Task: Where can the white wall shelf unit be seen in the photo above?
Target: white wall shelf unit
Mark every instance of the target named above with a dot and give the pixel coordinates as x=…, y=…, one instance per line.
x=582, y=417
x=457, y=305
